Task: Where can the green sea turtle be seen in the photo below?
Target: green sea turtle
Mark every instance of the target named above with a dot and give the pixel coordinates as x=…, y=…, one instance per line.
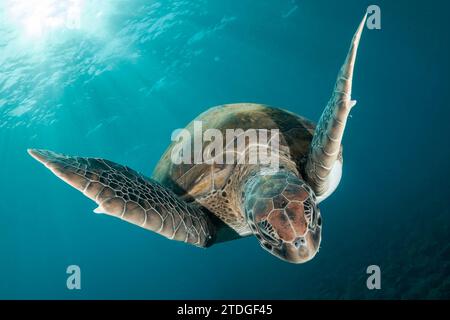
x=203, y=204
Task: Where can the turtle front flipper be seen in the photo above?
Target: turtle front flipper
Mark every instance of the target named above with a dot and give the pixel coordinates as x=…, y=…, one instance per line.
x=325, y=152
x=126, y=194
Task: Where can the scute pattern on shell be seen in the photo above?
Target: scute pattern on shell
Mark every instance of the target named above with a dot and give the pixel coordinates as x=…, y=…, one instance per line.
x=206, y=184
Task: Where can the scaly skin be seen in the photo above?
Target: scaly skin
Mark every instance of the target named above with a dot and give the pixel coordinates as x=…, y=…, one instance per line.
x=124, y=193
x=326, y=145
x=282, y=213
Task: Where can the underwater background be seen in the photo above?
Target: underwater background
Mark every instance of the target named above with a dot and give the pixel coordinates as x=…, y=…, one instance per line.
x=120, y=80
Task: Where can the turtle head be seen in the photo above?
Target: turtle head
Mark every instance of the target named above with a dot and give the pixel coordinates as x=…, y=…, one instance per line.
x=281, y=211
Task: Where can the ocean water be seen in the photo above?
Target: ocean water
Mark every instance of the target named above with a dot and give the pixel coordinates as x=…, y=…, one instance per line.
x=114, y=78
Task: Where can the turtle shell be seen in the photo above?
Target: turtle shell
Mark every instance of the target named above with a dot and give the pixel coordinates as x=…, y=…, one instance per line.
x=218, y=187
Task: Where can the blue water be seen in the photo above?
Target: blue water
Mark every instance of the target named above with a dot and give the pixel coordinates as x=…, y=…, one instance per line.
x=131, y=72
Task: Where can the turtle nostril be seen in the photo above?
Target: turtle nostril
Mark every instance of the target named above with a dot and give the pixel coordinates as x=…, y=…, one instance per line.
x=299, y=242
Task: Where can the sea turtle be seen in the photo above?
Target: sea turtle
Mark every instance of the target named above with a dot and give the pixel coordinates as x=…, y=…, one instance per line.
x=203, y=204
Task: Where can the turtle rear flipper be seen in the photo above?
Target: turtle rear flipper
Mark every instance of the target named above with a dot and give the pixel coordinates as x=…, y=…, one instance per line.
x=124, y=193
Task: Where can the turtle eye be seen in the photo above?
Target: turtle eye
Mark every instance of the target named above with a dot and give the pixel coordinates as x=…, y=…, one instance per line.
x=268, y=233
x=309, y=212
x=312, y=213
x=314, y=218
